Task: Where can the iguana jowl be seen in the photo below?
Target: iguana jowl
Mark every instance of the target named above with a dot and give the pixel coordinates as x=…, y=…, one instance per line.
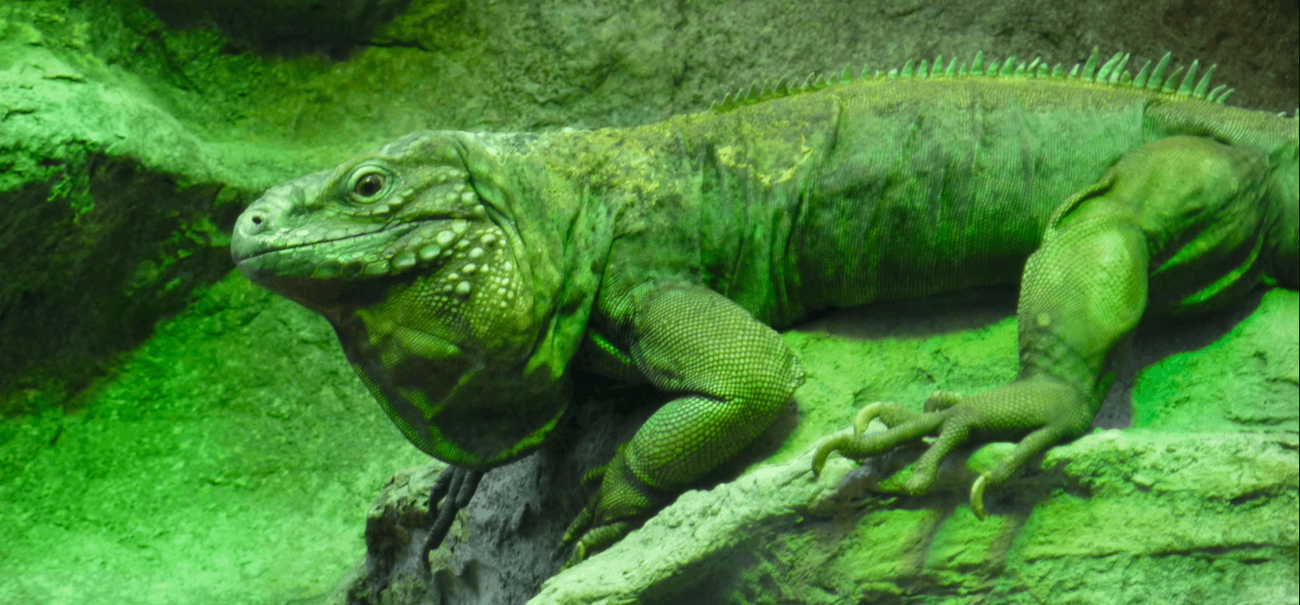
x=465, y=273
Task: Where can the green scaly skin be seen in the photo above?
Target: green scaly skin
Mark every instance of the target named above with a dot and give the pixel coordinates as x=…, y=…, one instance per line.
x=466, y=273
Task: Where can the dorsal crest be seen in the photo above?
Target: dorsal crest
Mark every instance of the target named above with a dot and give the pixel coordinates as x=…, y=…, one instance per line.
x=1157, y=79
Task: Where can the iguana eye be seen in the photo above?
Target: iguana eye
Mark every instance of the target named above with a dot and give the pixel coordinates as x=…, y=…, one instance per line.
x=367, y=185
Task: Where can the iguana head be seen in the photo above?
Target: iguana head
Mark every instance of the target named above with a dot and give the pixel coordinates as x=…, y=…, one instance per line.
x=445, y=282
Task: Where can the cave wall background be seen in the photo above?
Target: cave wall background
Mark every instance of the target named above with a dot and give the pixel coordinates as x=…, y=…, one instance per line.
x=170, y=433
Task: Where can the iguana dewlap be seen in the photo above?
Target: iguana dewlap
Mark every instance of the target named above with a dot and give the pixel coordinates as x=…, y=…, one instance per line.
x=466, y=273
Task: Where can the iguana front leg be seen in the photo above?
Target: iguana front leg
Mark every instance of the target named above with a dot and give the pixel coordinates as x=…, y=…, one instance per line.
x=733, y=375
x=1183, y=217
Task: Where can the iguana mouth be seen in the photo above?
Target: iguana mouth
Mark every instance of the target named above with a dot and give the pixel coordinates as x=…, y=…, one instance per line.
x=263, y=247
x=386, y=251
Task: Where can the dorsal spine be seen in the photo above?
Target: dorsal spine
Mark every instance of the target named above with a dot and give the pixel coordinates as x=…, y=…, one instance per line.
x=1110, y=73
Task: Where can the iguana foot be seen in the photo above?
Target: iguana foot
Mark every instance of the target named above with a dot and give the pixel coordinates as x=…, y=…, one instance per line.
x=1042, y=409
x=621, y=504
x=457, y=484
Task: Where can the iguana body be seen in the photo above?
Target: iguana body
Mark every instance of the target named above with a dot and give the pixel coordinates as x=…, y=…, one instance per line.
x=465, y=273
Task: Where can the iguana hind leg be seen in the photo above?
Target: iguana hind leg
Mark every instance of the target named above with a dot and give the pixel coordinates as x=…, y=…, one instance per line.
x=733, y=374
x=1177, y=224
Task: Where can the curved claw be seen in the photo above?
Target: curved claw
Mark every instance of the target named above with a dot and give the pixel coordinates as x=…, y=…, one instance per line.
x=838, y=442
x=893, y=415
x=578, y=555
x=977, y=496
x=864, y=417
x=904, y=425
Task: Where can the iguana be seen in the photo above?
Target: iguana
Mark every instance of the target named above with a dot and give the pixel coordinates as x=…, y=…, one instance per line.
x=466, y=273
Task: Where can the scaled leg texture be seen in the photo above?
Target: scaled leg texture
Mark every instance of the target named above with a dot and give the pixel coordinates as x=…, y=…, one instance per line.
x=1176, y=226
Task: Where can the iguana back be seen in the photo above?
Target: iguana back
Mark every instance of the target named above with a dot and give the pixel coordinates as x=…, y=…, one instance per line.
x=886, y=188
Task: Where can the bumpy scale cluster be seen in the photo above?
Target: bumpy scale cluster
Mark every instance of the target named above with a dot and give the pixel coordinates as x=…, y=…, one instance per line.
x=461, y=257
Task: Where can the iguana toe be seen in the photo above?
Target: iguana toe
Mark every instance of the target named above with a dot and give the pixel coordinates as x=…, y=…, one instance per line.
x=591, y=480
x=939, y=401
x=1039, y=411
x=596, y=540
x=902, y=422
x=455, y=487
x=919, y=483
x=904, y=425
x=888, y=412
x=621, y=504
x=834, y=444
x=578, y=527
x=864, y=418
